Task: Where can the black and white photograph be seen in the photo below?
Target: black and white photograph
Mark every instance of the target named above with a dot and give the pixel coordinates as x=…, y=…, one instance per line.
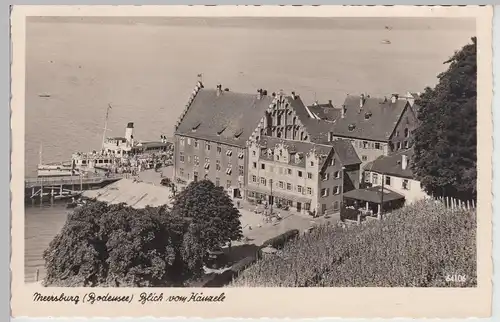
x=244, y=152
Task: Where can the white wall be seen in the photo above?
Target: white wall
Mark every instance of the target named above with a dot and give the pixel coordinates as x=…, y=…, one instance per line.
x=413, y=192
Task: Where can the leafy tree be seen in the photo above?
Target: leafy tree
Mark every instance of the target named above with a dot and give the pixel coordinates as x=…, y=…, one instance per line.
x=445, y=142
x=116, y=245
x=214, y=219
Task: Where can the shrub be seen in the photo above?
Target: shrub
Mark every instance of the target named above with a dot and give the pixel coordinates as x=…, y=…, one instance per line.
x=279, y=241
x=418, y=245
x=102, y=245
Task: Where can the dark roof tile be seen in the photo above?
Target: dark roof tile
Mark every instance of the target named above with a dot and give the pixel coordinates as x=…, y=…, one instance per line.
x=392, y=164
x=346, y=152
x=376, y=120
x=228, y=118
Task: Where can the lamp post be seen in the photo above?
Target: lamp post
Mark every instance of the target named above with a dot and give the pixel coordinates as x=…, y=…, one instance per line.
x=271, y=201
x=382, y=196
x=342, y=189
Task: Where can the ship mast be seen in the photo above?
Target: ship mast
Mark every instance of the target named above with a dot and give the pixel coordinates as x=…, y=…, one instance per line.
x=105, y=126
x=40, y=153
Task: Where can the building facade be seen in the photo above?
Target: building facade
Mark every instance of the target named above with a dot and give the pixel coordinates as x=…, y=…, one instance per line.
x=395, y=173
x=306, y=176
x=376, y=127
x=211, y=137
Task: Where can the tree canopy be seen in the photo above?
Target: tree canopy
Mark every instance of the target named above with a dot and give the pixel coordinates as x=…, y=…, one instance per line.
x=445, y=142
x=214, y=219
x=116, y=245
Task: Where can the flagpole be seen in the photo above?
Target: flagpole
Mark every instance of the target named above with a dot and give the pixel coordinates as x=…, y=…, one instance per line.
x=105, y=126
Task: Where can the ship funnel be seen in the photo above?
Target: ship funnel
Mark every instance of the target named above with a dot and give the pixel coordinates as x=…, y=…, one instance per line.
x=129, y=132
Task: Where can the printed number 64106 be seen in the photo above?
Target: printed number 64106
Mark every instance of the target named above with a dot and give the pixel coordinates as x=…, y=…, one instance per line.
x=456, y=278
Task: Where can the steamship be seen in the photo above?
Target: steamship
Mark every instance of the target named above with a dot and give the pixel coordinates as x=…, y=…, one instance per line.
x=113, y=149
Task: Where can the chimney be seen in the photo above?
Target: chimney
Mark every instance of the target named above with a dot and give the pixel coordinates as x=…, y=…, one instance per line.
x=264, y=92
x=394, y=98
x=362, y=100
x=404, y=162
x=259, y=93
x=330, y=136
x=129, y=132
x=330, y=102
x=219, y=90
x=293, y=95
x=344, y=110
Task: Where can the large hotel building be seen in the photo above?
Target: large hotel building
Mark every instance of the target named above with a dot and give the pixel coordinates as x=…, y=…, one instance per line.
x=270, y=146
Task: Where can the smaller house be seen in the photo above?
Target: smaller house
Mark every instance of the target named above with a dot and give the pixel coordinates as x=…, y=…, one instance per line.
x=370, y=201
x=397, y=175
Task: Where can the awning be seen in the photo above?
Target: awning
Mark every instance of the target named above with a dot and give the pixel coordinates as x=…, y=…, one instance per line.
x=373, y=194
x=279, y=194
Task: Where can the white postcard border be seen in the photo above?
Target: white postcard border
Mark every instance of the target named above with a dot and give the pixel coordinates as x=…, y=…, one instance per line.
x=267, y=302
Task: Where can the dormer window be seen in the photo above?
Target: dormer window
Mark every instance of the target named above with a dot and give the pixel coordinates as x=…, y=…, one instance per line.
x=368, y=115
x=238, y=134
x=196, y=126
x=351, y=127
x=221, y=130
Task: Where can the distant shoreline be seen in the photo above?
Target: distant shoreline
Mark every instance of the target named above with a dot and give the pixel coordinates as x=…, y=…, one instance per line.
x=318, y=23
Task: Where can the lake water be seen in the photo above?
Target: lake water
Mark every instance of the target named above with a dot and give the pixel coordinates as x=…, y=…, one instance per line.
x=42, y=224
x=147, y=69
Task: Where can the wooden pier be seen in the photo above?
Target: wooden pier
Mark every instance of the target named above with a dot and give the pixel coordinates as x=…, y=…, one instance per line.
x=55, y=187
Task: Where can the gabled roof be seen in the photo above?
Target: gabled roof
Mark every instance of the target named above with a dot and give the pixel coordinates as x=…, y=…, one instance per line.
x=325, y=112
x=375, y=121
x=302, y=147
x=317, y=128
x=228, y=118
x=343, y=149
x=392, y=164
x=345, y=152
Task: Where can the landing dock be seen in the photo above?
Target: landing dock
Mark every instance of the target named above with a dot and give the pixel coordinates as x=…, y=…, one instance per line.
x=58, y=187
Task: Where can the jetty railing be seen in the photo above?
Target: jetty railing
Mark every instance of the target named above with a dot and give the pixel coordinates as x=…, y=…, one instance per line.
x=32, y=182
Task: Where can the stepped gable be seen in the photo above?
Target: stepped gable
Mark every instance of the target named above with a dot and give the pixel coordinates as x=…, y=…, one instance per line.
x=375, y=120
x=223, y=116
x=296, y=107
x=197, y=88
x=343, y=148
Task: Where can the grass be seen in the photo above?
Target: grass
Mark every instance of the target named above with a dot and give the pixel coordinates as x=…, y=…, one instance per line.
x=418, y=245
